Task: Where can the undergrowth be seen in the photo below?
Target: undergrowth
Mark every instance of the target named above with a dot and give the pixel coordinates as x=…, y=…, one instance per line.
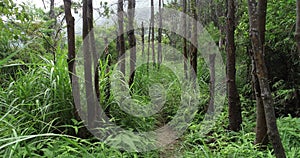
x=36, y=119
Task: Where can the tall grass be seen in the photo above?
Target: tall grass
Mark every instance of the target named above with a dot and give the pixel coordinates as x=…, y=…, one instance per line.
x=36, y=118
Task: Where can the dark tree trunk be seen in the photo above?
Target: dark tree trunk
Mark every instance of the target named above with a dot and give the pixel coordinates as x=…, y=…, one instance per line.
x=235, y=115
x=143, y=40
x=185, y=55
x=107, y=84
x=152, y=31
x=261, y=71
x=159, y=48
x=297, y=33
x=52, y=13
x=211, y=106
x=93, y=48
x=71, y=55
x=121, y=39
x=261, y=124
x=107, y=57
x=131, y=39
x=194, y=50
x=88, y=66
x=148, y=51
x=71, y=37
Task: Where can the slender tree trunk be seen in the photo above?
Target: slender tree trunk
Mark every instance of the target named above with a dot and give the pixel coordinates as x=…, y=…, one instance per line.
x=71, y=37
x=185, y=55
x=71, y=54
x=194, y=40
x=297, y=33
x=159, y=48
x=107, y=84
x=88, y=66
x=131, y=39
x=261, y=124
x=52, y=13
x=235, y=115
x=261, y=71
x=121, y=36
x=143, y=40
x=152, y=31
x=93, y=47
x=148, y=51
x=211, y=107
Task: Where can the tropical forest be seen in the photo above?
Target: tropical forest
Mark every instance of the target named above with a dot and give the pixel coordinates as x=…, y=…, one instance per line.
x=150, y=78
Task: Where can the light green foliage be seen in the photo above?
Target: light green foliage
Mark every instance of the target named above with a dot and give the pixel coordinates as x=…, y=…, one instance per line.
x=36, y=104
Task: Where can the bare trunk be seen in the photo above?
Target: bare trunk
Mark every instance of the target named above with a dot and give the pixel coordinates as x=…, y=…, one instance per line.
x=297, y=33
x=159, y=49
x=131, y=39
x=148, y=55
x=152, y=31
x=93, y=48
x=107, y=85
x=143, y=40
x=194, y=50
x=185, y=55
x=261, y=71
x=88, y=66
x=52, y=13
x=71, y=55
x=121, y=39
x=235, y=115
x=211, y=107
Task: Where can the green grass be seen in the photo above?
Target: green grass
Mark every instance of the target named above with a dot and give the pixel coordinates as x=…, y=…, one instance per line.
x=36, y=119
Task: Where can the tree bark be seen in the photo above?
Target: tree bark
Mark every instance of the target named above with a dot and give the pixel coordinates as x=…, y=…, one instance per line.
x=71, y=37
x=131, y=39
x=143, y=40
x=152, y=31
x=211, y=107
x=235, y=115
x=93, y=47
x=261, y=124
x=121, y=36
x=194, y=50
x=261, y=71
x=71, y=54
x=159, y=48
x=297, y=33
x=185, y=55
x=88, y=66
x=51, y=12
x=148, y=51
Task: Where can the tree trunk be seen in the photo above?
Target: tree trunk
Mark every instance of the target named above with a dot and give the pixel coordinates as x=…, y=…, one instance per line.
x=159, y=48
x=148, y=51
x=107, y=84
x=88, y=66
x=194, y=50
x=185, y=55
x=261, y=124
x=71, y=55
x=121, y=36
x=143, y=40
x=52, y=13
x=131, y=39
x=152, y=31
x=261, y=71
x=235, y=116
x=71, y=37
x=93, y=47
x=297, y=33
x=211, y=107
